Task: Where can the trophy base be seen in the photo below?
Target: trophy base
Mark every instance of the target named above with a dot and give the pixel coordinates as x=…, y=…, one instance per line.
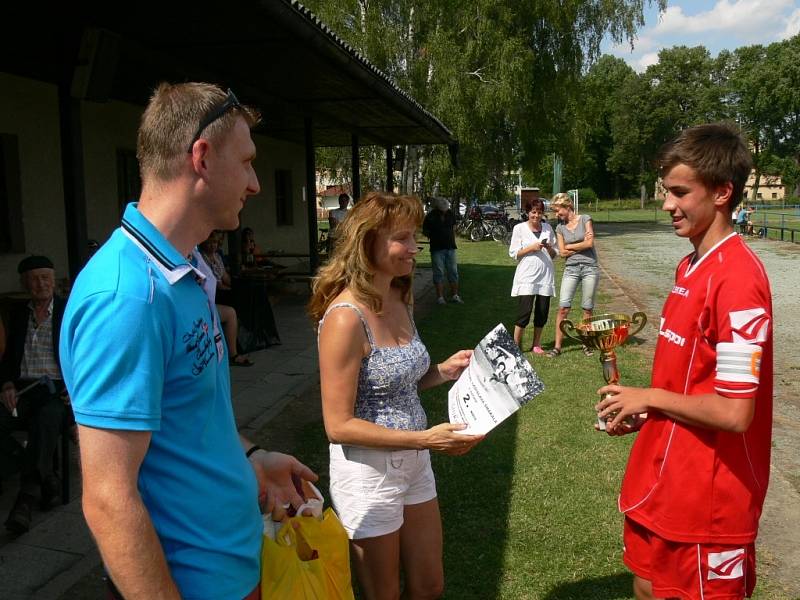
x=631, y=421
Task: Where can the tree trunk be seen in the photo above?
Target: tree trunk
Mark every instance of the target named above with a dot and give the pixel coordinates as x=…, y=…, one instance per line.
x=642, y=196
x=757, y=180
x=796, y=192
x=411, y=168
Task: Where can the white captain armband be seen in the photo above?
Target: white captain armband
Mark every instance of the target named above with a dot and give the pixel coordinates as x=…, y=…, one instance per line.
x=738, y=368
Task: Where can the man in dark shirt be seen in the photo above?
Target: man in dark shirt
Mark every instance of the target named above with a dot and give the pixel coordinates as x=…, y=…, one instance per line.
x=438, y=227
x=32, y=388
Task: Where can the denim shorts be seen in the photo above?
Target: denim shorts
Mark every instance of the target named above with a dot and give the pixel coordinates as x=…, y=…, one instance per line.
x=587, y=276
x=444, y=261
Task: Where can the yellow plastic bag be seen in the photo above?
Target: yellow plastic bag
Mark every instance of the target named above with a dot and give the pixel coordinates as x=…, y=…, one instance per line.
x=308, y=560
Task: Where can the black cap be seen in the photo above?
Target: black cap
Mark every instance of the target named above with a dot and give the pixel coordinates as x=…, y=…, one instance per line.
x=29, y=263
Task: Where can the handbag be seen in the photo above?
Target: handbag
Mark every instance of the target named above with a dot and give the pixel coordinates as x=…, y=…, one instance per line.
x=308, y=557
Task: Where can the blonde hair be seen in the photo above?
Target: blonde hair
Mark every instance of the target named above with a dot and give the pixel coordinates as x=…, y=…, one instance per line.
x=562, y=200
x=171, y=120
x=352, y=264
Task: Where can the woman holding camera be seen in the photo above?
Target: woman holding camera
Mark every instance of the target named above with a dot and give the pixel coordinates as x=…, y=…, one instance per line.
x=532, y=246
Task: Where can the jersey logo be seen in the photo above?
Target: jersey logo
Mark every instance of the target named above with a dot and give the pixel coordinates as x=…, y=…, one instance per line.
x=755, y=364
x=749, y=326
x=670, y=335
x=681, y=291
x=726, y=565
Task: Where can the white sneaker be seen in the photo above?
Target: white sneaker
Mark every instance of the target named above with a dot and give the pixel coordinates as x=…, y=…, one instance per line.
x=440, y=300
x=457, y=299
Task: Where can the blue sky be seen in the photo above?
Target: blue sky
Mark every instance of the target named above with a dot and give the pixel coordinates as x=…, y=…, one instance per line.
x=715, y=24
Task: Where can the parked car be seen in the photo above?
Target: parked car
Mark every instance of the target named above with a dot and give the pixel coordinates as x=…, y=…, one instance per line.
x=490, y=211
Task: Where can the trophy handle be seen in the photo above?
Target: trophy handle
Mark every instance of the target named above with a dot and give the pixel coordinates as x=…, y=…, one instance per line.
x=639, y=319
x=568, y=328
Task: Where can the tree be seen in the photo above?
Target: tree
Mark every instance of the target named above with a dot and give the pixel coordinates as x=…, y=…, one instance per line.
x=783, y=58
x=502, y=74
x=680, y=90
x=605, y=166
x=747, y=80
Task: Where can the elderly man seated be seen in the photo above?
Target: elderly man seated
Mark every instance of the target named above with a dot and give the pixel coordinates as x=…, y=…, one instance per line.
x=32, y=388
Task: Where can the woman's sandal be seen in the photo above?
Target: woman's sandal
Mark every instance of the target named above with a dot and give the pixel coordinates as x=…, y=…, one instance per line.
x=587, y=351
x=554, y=353
x=243, y=362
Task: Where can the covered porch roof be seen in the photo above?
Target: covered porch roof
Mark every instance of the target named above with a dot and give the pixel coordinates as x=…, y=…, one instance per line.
x=274, y=54
x=311, y=87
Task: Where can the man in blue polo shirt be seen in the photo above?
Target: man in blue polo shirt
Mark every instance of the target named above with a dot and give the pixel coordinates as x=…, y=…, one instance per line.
x=170, y=490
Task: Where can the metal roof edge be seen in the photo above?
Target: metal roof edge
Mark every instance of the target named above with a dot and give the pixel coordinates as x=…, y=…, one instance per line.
x=361, y=62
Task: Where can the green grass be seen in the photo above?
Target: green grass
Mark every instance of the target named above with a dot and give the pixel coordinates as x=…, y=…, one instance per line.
x=646, y=215
x=531, y=512
x=776, y=217
x=533, y=508
x=781, y=224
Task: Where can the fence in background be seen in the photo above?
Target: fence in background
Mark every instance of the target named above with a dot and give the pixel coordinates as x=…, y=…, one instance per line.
x=774, y=224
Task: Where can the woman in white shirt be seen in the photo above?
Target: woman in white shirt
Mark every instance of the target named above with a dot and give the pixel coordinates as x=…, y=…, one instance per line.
x=533, y=247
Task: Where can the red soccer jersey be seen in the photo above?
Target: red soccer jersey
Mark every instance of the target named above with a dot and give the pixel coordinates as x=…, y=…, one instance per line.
x=686, y=483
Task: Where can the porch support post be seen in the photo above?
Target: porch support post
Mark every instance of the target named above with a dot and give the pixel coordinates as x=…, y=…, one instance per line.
x=356, y=168
x=389, y=170
x=311, y=196
x=74, y=178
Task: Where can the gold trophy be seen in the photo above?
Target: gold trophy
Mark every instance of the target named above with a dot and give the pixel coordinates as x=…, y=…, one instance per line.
x=606, y=332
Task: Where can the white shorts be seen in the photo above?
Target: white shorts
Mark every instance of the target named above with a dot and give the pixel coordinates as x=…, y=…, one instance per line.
x=370, y=487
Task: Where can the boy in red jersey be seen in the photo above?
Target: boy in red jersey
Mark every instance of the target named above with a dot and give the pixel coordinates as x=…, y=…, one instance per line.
x=698, y=471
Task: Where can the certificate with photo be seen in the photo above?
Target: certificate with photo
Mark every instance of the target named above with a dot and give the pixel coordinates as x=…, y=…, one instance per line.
x=496, y=383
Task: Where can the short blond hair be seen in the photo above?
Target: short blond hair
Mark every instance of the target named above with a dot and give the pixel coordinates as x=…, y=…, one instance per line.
x=171, y=119
x=562, y=200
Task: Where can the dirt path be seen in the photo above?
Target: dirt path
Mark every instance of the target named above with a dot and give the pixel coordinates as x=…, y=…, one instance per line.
x=639, y=263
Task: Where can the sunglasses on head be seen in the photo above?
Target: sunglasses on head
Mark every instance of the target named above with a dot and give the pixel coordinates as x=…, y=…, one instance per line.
x=231, y=103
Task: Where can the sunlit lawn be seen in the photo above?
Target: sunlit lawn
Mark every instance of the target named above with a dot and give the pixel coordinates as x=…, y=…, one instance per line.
x=531, y=512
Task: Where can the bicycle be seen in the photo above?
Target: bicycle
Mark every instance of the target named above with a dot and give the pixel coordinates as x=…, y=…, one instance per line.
x=507, y=223
x=480, y=229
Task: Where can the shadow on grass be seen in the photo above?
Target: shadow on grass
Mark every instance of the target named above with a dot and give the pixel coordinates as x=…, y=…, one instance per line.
x=519, y=496
x=609, y=587
x=514, y=509
x=474, y=490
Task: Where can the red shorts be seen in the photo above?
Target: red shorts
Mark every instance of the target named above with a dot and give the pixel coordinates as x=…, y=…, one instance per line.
x=689, y=571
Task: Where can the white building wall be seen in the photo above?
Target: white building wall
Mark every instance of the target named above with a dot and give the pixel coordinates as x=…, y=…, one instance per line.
x=29, y=110
x=259, y=212
x=107, y=127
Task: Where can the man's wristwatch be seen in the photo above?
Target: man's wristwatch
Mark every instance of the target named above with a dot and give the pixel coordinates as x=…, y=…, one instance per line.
x=254, y=448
